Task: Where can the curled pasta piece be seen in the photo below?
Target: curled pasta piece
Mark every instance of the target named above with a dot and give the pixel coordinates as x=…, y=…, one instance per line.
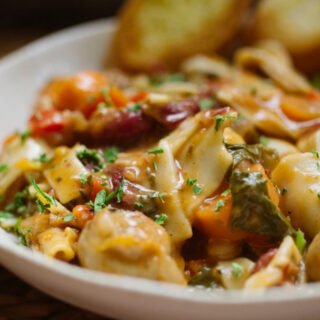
x=19, y=157
x=299, y=175
x=64, y=176
x=58, y=243
x=205, y=159
x=272, y=58
x=233, y=274
x=167, y=181
x=284, y=267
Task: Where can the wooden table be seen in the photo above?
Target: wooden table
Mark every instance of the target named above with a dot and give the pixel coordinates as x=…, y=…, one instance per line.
x=17, y=299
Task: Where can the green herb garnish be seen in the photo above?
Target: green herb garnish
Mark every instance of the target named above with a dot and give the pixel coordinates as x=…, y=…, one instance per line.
x=283, y=191
x=24, y=136
x=48, y=198
x=190, y=182
x=111, y=154
x=155, y=151
x=226, y=192
x=155, y=166
x=119, y=192
x=237, y=270
x=4, y=167
x=43, y=158
x=135, y=108
x=139, y=204
x=161, y=219
x=6, y=215
x=300, y=240
x=83, y=178
x=100, y=201
x=68, y=218
x=219, y=121
x=219, y=205
x=206, y=104
x=196, y=189
x=91, y=157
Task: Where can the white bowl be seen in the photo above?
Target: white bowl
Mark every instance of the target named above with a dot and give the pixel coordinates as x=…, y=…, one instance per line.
x=21, y=76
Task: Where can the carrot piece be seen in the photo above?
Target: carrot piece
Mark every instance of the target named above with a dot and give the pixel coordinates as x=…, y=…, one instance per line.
x=213, y=218
x=96, y=188
x=118, y=98
x=82, y=214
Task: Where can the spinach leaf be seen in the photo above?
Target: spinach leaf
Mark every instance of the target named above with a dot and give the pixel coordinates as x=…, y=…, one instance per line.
x=204, y=278
x=254, y=153
x=252, y=209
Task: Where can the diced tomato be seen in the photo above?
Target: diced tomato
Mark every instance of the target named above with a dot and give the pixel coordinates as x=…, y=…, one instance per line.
x=265, y=259
x=46, y=121
x=82, y=214
x=118, y=98
x=96, y=187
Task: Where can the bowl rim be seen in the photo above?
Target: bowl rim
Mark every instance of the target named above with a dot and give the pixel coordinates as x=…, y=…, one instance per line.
x=120, y=282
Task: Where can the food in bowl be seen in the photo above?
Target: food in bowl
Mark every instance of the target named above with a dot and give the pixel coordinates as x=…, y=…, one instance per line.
x=208, y=176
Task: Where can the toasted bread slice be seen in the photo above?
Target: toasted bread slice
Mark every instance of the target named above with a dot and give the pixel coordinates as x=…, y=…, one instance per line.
x=163, y=32
x=295, y=23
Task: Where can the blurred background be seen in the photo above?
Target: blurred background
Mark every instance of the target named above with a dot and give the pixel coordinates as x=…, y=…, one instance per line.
x=22, y=21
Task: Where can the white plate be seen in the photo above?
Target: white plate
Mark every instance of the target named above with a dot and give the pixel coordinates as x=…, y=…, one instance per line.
x=21, y=76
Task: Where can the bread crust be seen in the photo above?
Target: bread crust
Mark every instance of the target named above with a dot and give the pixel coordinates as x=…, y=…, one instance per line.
x=296, y=24
x=141, y=42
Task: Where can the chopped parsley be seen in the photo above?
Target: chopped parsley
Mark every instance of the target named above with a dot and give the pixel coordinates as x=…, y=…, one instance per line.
x=111, y=154
x=237, y=270
x=155, y=166
x=100, y=201
x=161, y=218
x=318, y=195
x=68, y=218
x=190, y=182
x=43, y=194
x=19, y=203
x=21, y=232
x=159, y=195
x=4, y=167
x=283, y=191
x=43, y=158
x=219, y=205
x=196, y=189
x=91, y=157
x=42, y=207
x=316, y=154
x=24, y=136
x=155, y=151
x=219, y=121
x=119, y=192
x=264, y=140
x=83, y=178
x=226, y=192
x=206, y=104
x=135, y=108
x=300, y=241
x=6, y=215
x=139, y=204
